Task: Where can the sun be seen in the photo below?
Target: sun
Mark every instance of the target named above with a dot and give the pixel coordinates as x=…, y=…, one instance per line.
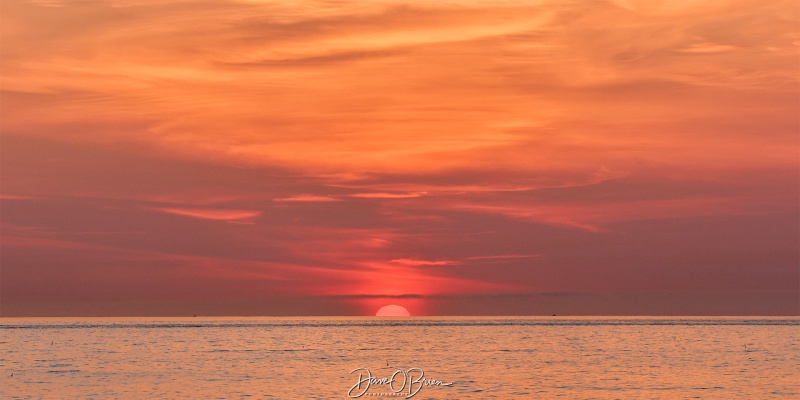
x=392, y=310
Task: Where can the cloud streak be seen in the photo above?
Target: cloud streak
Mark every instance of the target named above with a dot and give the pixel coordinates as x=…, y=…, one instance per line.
x=212, y=214
x=420, y=263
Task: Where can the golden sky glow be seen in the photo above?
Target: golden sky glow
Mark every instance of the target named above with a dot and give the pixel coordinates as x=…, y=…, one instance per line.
x=170, y=155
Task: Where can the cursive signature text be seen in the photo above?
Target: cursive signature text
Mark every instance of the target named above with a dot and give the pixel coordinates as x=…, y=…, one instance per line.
x=408, y=382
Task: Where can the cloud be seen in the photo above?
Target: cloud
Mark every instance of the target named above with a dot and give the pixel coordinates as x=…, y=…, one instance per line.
x=418, y=263
x=212, y=214
x=707, y=47
x=504, y=257
x=23, y=241
x=384, y=195
x=16, y=197
x=480, y=67
x=380, y=296
x=307, y=198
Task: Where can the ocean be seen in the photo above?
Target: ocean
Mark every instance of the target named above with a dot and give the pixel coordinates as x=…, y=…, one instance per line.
x=419, y=358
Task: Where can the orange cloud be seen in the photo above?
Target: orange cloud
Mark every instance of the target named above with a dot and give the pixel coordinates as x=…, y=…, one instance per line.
x=418, y=263
x=383, y=195
x=305, y=199
x=514, y=85
x=212, y=214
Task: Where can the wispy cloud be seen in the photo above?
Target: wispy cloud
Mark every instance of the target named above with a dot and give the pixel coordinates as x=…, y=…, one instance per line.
x=16, y=197
x=418, y=263
x=212, y=214
x=504, y=257
x=305, y=199
x=384, y=195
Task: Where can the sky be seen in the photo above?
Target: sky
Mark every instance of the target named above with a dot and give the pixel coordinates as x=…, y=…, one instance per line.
x=331, y=157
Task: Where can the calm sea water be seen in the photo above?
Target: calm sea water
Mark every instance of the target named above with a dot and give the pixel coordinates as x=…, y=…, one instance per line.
x=482, y=358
